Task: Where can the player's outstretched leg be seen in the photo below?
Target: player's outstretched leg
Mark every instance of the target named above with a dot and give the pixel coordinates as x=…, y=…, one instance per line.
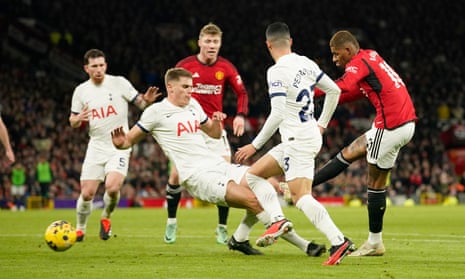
x=173, y=196
x=221, y=230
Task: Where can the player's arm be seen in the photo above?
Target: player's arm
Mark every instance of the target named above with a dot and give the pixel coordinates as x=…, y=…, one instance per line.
x=331, y=99
x=213, y=127
x=76, y=119
x=355, y=72
x=122, y=140
x=242, y=97
x=349, y=91
x=278, y=107
x=149, y=97
x=5, y=139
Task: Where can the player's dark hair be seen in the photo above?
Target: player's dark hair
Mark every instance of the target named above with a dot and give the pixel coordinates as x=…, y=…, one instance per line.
x=341, y=38
x=278, y=33
x=92, y=53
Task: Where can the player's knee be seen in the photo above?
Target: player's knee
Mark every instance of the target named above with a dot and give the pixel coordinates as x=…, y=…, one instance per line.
x=87, y=195
x=252, y=180
x=252, y=204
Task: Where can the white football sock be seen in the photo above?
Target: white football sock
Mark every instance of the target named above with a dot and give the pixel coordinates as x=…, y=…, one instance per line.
x=83, y=210
x=375, y=238
x=109, y=204
x=264, y=218
x=318, y=215
x=243, y=230
x=296, y=240
x=170, y=221
x=266, y=195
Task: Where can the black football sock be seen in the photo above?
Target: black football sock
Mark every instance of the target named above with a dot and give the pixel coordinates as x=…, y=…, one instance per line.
x=173, y=195
x=376, y=208
x=331, y=169
x=223, y=212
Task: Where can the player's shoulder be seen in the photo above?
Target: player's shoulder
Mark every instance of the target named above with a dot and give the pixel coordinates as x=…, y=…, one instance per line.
x=369, y=54
x=224, y=61
x=194, y=103
x=115, y=78
x=299, y=59
x=227, y=66
x=187, y=60
x=156, y=108
x=83, y=86
x=364, y=58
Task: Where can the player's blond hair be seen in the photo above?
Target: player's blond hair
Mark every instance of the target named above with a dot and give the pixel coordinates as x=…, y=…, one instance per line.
x=176, y=74
x=210, y=29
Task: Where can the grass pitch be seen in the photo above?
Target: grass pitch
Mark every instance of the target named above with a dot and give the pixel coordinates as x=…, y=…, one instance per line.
x=421, y=242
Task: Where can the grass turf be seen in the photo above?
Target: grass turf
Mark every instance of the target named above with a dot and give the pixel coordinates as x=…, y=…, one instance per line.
x=421, y=242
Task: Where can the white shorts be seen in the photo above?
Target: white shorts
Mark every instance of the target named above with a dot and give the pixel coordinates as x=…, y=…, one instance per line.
x=18, y=190
x=209, y=184
x=98, y=163
x=297, y=157
x=384, y=145
x=218, y=146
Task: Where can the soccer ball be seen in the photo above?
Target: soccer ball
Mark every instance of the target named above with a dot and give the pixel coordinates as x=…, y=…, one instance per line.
x=60, y=236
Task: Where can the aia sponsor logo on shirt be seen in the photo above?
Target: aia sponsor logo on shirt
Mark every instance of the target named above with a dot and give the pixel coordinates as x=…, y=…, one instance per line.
x=219, y=75
x=188, y=127
x=103, y=112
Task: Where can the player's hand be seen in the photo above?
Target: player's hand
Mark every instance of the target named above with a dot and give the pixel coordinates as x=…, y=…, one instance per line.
x=118, y=137
x=322, y=130
x=151, y=94
x=244, y=153
x=218, y=116
x=85, y=113
x=10, y=156
x=238, y=125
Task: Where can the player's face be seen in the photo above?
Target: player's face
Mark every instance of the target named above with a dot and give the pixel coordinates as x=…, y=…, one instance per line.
x=181, y=91
x=209, y=47
x=96, y=69
x=342, y=56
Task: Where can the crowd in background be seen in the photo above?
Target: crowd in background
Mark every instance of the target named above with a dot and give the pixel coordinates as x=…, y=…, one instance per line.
x=143, y=39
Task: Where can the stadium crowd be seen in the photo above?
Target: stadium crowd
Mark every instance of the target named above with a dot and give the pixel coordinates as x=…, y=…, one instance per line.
x=143, y=40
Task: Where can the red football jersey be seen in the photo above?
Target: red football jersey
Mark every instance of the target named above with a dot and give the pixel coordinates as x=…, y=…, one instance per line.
x=368, y=75
x=209, y=83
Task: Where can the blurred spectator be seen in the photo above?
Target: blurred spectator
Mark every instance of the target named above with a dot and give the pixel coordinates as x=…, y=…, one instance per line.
x=44, y=178
x=18, y=187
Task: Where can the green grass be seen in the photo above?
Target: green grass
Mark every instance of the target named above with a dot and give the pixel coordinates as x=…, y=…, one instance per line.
x=421, y=242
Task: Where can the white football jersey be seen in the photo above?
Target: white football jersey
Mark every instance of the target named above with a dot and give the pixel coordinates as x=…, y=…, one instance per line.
x=109, y=105
x=177, y=131
x=294, y=76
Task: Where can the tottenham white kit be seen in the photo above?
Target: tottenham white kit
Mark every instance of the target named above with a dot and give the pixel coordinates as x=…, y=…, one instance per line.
x=108, y=103
x=204, y=173
x=291, y=83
